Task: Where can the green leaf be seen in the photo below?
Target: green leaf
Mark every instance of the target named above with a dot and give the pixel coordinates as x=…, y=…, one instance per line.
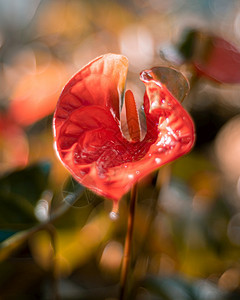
x=15, y=212
x=5, y=234
x=187, y=43
x=19, y=194
x=172, y=288
x=189, y=46
x=192, y=164
x=168, y=288
x=28, y=183
x=12, y=243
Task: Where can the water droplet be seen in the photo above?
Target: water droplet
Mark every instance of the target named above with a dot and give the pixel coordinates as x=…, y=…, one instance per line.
x=137, y=172
x=158, y=160
x=113, y=216
x=84, y=171
x=114, y=213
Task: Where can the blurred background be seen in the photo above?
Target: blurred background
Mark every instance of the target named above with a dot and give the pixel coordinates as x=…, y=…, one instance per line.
x=187, y=227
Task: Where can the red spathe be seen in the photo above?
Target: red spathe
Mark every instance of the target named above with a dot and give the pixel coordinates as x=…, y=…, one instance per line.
x=88, y=136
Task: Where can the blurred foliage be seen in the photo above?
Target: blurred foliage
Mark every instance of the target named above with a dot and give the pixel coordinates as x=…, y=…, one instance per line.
x=20, y=192
x=56, y=237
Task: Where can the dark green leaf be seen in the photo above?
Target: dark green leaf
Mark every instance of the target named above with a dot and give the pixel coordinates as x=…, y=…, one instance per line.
x=169, y=288
x=19, y=194
x=5, y=234
x=192, y=44
x=172, y=288
x=15, y=212
x=12, y=243
x=186, y=45
x=28, y=183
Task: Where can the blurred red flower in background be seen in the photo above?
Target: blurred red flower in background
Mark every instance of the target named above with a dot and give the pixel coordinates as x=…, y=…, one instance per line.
x=91, y=139
x=35, y=94
x=14, y=145
x=217, y=59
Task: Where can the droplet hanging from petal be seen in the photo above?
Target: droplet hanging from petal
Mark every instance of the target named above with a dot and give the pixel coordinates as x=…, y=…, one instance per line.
x=114, y=213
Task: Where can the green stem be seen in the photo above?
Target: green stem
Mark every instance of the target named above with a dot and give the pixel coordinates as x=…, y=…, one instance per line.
x=163, y=178
x=52, y=233
x=128, y=245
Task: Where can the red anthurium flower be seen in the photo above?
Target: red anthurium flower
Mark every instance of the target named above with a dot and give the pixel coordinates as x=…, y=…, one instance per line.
x=217, y=59
x=36, y=94
x=89, y=138
x=211, y=56
x=14, y=145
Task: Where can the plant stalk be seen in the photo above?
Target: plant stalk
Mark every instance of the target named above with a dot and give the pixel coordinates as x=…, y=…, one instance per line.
x=54, y=280
x=128, y=245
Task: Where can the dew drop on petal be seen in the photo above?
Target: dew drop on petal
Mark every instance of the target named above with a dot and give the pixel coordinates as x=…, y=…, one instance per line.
x=113, y=215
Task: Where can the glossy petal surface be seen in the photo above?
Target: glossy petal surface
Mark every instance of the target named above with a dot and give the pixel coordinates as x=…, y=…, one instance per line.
x=88, y=136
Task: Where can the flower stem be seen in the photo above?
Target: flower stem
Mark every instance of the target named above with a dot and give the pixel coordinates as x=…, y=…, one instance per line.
x=54, y=280
x=128, y=244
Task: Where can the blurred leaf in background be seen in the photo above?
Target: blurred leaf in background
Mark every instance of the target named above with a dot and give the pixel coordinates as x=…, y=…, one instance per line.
x=20, y=192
